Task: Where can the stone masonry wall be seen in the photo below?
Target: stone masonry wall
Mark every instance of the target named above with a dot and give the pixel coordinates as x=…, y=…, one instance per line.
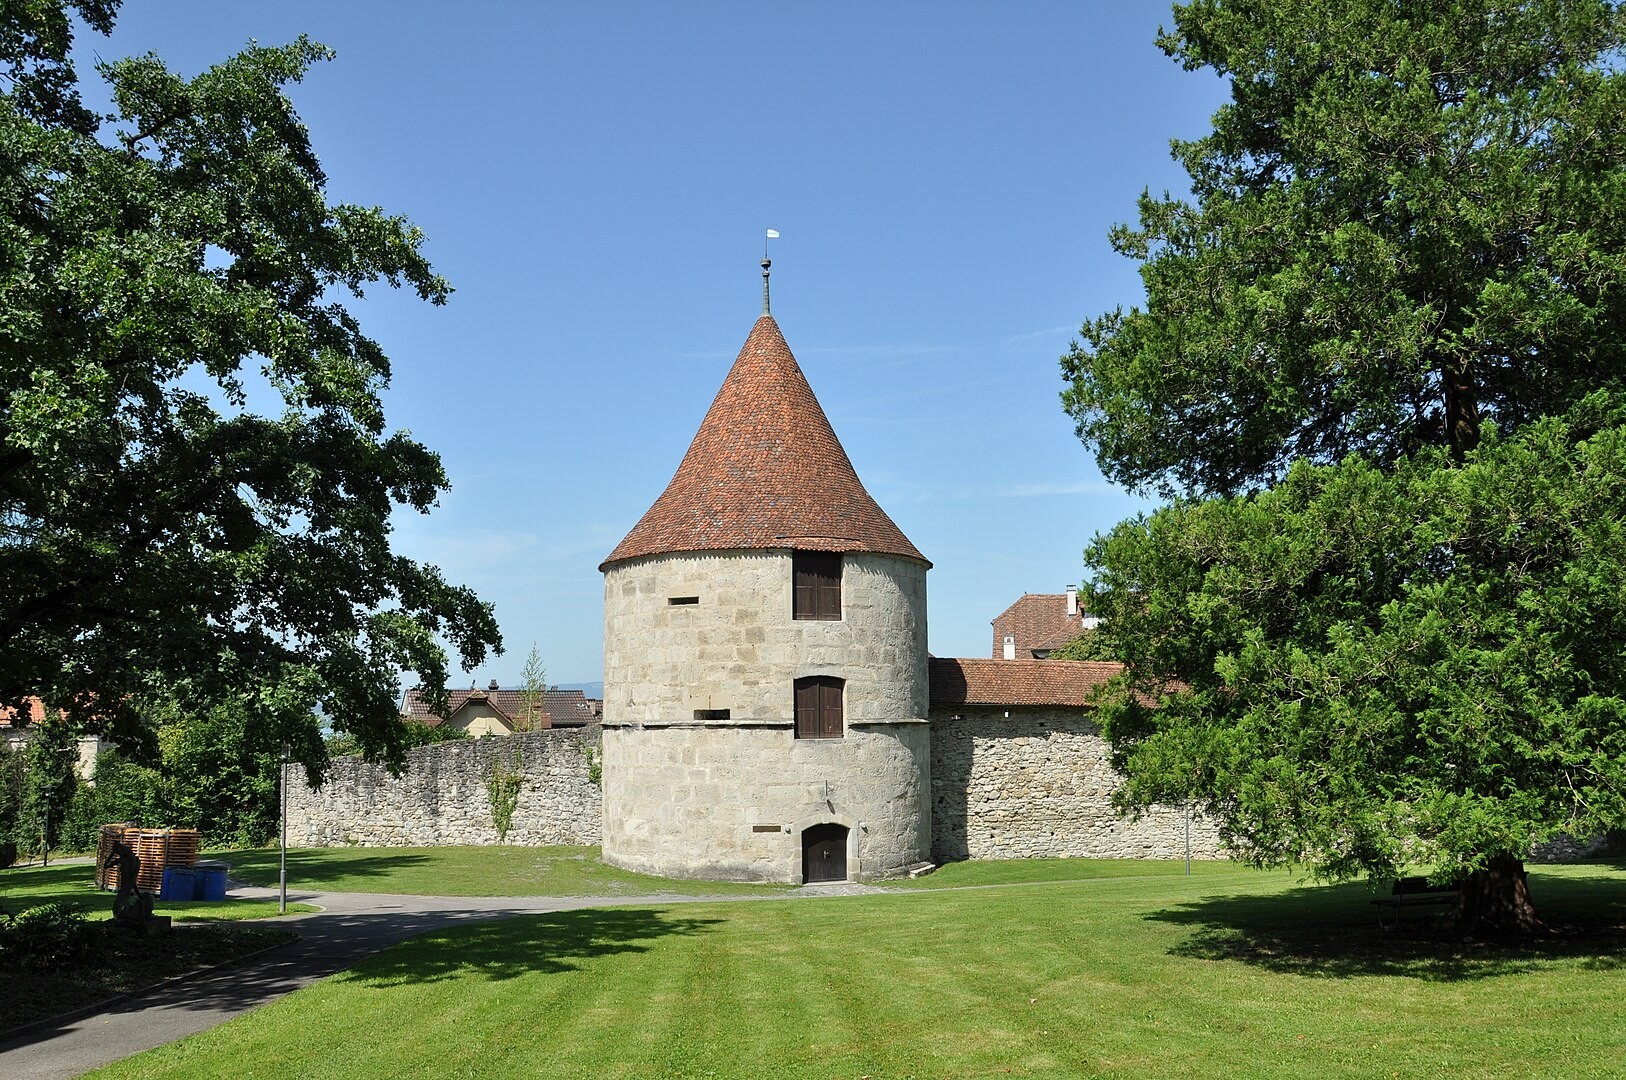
x=441, y=797
x=1030, y=783
x=737, y=648
x=732, y=804
x=703, y=775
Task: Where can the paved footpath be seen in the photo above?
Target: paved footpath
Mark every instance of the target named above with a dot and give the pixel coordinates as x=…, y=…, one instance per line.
x=350, y=927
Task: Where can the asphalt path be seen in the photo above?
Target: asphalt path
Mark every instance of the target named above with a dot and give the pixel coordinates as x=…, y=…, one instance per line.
x=350, y=927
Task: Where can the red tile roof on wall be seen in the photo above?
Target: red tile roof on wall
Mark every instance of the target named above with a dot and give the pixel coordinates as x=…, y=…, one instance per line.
x=966, y=681
x=565, y=708
x=765, y=470
x=1037, y=621
x=36, y=713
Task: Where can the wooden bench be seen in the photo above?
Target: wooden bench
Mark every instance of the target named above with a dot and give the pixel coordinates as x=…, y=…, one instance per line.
x=1416, y=892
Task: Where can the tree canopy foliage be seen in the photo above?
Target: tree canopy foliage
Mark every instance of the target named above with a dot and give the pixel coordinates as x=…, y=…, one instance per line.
x=1410, y=219
x=1378, y=668
x=162, y=268
x=1379, y=373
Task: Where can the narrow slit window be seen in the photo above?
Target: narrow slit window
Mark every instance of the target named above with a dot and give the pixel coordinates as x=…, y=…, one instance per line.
x=683, y=601
x=710, y=714
x=816, y=577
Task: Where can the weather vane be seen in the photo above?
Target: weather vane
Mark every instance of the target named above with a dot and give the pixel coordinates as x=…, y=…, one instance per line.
x=773, y=234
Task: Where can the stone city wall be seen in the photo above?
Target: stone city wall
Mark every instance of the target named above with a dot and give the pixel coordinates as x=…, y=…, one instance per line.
x=441, y=798
x=1023, y=783
x=1035, y=784
x=1562, y=849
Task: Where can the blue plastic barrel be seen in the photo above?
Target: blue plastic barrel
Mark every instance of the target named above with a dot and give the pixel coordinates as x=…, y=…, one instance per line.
x=178, y=884
x=211, y=881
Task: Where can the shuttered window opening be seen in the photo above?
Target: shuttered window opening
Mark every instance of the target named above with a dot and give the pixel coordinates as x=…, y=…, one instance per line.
x=817, y=579
x=819, y=707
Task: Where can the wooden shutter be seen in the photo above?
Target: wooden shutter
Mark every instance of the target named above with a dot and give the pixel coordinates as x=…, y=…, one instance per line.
x=819, y=711
x=816, y=576
x=830, y=710
x=807, y=708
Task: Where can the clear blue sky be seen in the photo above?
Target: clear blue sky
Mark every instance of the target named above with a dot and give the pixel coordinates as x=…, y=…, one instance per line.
x=595, y=180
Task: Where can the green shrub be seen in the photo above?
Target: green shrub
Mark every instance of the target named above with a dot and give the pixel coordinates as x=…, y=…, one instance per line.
x=49, y=783
x=220, y=776
x=44, y=938
x=11, y=794
x=120, y=790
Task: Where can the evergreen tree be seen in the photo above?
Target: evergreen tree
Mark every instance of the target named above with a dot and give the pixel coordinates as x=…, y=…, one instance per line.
x=1379, y=369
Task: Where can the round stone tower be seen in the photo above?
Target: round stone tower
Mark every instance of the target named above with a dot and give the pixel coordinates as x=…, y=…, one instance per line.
x=765, y=689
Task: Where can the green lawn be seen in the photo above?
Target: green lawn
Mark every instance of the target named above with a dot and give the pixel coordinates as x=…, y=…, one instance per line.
x=1226, y=973
x=973, y=874
x=467, y=871
x=74, y=884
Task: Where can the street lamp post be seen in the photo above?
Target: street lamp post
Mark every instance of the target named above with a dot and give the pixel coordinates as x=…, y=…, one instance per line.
x=282, y=873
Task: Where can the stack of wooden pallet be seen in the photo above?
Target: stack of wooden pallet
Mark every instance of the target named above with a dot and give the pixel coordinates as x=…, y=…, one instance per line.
x=107, y=876
x=157, y=849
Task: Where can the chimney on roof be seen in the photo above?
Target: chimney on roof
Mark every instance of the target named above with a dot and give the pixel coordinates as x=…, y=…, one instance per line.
x=493, y=685
x=1072, y=601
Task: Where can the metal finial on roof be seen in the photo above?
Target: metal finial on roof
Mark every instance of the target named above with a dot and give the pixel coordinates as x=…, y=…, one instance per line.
x=773, y=234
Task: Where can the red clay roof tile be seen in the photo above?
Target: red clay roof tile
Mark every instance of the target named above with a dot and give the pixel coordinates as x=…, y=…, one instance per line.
x=1038, y=621
x=564, y=708
x=968, y=681
x=765, y=470
x=36, y=714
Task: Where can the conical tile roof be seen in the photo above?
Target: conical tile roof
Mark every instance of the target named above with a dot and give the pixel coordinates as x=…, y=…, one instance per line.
x=765, y=470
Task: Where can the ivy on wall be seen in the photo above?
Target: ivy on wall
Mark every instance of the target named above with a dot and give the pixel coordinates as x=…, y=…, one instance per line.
x=502, y=786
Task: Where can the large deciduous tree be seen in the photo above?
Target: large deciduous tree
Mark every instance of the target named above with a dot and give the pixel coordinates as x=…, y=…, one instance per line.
x=1379, y=370
x=162, y=269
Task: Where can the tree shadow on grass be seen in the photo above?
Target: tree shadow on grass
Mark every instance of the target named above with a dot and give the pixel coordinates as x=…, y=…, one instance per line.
x=315, y=868
x=527, y=944
x=1333, y=931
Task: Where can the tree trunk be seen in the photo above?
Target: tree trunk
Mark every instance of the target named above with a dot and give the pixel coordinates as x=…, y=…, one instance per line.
x=1461, y=410
x=1495, y=902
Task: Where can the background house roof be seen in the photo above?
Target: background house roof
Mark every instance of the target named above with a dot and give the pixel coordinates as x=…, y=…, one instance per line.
x=36, y=714
x=1039, y=622
x=765, y=470
x=967, y=681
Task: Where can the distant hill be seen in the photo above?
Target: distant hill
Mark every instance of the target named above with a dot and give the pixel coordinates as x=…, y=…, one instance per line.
x=588, y=689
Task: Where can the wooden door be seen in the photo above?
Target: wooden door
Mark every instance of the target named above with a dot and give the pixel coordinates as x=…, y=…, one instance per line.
x=824, y=853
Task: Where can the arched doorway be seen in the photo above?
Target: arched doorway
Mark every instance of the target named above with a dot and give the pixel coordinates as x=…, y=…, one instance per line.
x=824, y=853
